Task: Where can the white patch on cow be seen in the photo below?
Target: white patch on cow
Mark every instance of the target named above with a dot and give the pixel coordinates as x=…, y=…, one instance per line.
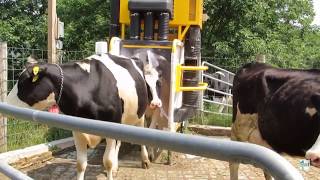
x=44, y=104
x=126, y=88
x=84, y=65
x=245, y=128
x=244, y=125
x=311, y=111
x=14, y=100
x=152, y=76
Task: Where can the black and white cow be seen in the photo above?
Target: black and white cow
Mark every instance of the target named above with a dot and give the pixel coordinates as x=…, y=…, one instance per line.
x=278, y=109
x=106, y=87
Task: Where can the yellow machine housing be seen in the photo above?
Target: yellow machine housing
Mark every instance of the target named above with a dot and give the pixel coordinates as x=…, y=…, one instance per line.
x=186, y=13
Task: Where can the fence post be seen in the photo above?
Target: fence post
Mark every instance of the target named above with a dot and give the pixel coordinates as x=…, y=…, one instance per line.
x=261, y=58
x=3, y=94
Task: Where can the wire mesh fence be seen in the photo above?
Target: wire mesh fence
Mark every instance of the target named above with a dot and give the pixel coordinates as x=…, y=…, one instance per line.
x=19, y=133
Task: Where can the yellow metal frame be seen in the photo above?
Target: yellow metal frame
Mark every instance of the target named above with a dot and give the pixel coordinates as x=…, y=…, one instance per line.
x=179, y=70
x=147, y=46
x=186, y=13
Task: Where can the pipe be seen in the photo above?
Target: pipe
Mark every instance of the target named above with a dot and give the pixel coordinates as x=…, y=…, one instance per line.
x=12, y=173
x=224, y=150
x=135, y=25
x=114, y=28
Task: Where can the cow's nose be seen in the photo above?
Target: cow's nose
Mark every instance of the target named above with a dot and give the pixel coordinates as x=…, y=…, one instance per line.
x=314, y=157
x=155, y=104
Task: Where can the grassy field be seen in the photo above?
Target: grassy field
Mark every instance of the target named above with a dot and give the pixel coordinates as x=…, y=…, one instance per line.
x=212, y=117
x=21, y=134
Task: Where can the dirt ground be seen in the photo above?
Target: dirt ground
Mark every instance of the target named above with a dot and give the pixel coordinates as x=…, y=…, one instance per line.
x=62, y=165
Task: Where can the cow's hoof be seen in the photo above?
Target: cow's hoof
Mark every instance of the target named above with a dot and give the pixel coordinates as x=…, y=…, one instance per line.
x=145, y=164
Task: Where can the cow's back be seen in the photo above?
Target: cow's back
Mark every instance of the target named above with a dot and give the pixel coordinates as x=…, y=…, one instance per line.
x=280, y=99
x=284, y=120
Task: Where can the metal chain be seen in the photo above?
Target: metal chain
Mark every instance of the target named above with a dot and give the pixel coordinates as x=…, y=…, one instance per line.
x=61, y=84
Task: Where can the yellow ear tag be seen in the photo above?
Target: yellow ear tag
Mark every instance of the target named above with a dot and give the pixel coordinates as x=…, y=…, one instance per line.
x=35, y=78
x=35, y=70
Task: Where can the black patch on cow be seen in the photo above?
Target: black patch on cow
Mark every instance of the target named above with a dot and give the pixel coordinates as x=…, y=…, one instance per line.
x=122, y=105
x=315, y=99
x=91, y=95
x=280, y=98
x=141, y=88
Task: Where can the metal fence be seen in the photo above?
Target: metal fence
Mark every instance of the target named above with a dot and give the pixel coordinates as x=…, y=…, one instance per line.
x=224, y=150
x=216, y=101
x=14, y=133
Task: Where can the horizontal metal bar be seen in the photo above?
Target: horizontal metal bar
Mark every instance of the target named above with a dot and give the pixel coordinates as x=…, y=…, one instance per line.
x=216, y=67
x=201, y=87
x=12, y=173
x=194, y=68
x=211, y=112
x=224, y=150
x=216, y=102
x=219, y=92
x=216, y=79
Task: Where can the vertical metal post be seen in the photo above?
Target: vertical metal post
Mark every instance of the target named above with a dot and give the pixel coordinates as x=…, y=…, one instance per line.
x=261, y=58
x=3, y=94
x=52, y=22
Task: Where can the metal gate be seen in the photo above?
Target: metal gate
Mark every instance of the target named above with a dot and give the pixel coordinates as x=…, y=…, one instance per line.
x=216, y=102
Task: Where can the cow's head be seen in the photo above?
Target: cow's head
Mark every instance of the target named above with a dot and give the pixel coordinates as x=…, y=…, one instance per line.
x=34, y=88
x=313, y=154
x=156, y=69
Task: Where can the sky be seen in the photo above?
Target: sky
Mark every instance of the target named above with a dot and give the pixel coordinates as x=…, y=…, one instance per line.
x=316, y=5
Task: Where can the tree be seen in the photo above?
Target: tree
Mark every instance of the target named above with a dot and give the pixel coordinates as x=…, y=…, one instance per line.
x=245, y=28
x=86, y=21
x=23, y=23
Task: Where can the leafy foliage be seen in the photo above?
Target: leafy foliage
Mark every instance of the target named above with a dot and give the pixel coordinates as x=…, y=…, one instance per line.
x=23, y=23
x=279, y=29
x=86, y=21
x=236, y=29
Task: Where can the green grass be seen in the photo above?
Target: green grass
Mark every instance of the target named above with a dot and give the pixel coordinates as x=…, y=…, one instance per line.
x=21, y=134
x=214, y=119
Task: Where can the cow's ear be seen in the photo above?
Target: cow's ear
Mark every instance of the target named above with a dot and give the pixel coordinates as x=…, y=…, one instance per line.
x=315, y=99
x=31, y=61
x=273, y=82
x=36, y=71
x=153, y=58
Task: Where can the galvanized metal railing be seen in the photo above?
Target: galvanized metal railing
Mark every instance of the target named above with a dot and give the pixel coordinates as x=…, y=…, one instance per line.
x=223, y=150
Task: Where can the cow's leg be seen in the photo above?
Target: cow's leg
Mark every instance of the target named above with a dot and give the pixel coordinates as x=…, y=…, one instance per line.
x=116, y=163
x=256, y=138
x=109, y=156
x=153, y=125
x=222, y=106
x=144, y=153
x=81, y=148
x=233, y=166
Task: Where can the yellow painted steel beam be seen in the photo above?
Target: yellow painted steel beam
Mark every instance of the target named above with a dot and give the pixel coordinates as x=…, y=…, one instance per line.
x=179, y=69
x=194, y=68
x=147, y=46
x=201, y=87
x=123, y=31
